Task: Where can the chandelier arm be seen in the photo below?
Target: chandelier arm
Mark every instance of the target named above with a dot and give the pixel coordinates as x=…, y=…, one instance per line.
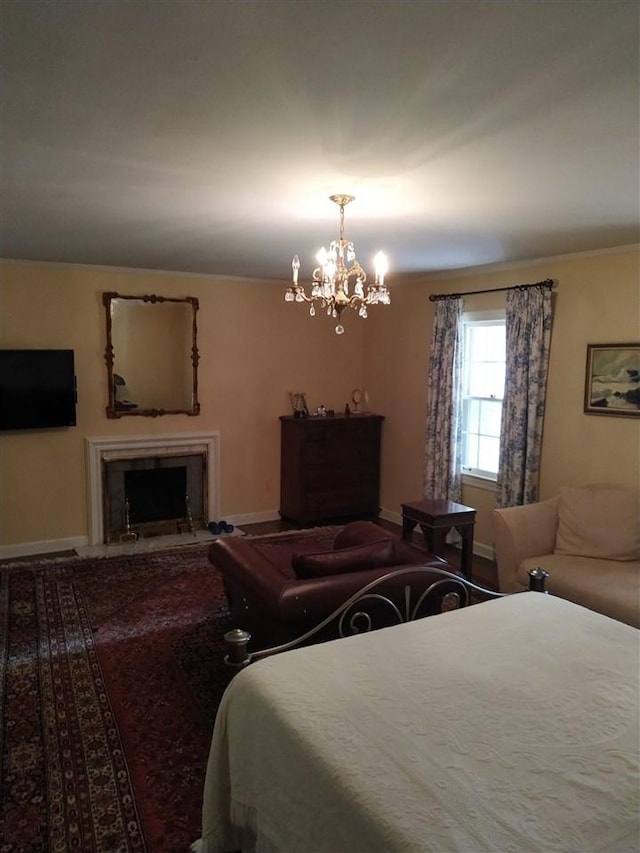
x=355, y=302
x=356, y=270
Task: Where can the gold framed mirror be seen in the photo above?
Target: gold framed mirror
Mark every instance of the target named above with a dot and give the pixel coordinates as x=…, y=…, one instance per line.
x=151, y=355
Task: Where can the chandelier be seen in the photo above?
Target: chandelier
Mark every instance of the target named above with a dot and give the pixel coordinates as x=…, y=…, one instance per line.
x=338, y=272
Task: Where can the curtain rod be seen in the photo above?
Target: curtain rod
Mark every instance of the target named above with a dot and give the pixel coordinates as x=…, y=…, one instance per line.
x=548, y=284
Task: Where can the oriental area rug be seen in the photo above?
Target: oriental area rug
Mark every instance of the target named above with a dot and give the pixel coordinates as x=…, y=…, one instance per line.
x=111, y=672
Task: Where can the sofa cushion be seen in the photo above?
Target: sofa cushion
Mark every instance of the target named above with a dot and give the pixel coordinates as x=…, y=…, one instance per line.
x=361, y=533
x=358, y=557
x=599, y=521
x=609, y=587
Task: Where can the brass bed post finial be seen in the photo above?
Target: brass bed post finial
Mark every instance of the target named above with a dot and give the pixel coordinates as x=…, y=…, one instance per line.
x=537, y=579
x=237, y=655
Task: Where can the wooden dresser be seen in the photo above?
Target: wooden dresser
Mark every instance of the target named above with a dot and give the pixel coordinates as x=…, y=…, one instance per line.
x=330, y=467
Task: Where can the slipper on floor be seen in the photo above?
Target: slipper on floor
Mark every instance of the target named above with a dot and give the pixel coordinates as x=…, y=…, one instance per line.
x=218, y=527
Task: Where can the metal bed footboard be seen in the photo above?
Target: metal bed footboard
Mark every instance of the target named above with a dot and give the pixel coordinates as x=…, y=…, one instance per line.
x=361, y=612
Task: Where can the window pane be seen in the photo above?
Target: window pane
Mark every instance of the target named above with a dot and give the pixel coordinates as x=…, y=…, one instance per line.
x=491, y=417
x=477, y=381
x=488, y=454
x=485, y=380
x=471, y=422
x=494, y=380
x=481, y=342
x=496, y=343
x=470, y=457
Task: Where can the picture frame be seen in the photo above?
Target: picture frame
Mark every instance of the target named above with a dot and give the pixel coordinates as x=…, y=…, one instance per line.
x=612, y=382
x=299, y=404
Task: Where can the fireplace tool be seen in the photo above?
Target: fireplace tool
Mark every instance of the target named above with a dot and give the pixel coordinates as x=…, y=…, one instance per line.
x=129, y=535
x=189, y=520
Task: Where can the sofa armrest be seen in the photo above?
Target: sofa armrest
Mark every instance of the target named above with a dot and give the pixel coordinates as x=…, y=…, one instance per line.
x=522, y=532
x=243, y=567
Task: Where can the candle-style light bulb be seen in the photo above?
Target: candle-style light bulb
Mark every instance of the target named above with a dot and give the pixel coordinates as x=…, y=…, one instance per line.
x=381, y=265
x=295, y=266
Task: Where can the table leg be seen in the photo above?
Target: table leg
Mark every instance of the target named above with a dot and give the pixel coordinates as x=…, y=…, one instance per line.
x=466, y=559
x=407, y=528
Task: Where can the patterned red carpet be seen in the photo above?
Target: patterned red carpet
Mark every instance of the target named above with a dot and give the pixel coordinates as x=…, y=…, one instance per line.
x=110, y=676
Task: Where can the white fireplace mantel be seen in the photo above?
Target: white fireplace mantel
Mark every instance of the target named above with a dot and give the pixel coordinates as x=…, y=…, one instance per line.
x=104, y=449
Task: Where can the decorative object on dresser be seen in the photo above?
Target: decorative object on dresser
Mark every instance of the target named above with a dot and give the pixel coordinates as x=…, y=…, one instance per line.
x=299, y=404
x=586, y=537
x=329, y=467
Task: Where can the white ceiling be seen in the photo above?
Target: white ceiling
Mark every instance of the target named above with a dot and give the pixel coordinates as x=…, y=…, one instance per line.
x=207, y=135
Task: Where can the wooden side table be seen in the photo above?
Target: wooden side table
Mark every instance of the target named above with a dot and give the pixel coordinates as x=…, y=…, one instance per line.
x=436, y=518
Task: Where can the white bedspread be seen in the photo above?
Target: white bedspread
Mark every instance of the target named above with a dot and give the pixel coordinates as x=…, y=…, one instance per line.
x=507, y=726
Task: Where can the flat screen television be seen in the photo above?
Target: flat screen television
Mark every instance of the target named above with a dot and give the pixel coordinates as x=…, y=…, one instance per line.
x=37, y=389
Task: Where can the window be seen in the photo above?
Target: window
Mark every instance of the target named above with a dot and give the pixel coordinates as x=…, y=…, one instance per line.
x=482, y=392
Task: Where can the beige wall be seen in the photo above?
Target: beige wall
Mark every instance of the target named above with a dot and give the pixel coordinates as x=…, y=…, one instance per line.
x=254, y=349
x=597, y=300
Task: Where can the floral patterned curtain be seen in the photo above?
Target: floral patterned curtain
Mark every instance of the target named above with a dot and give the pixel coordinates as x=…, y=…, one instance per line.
x=443, y=442
x=528, y=328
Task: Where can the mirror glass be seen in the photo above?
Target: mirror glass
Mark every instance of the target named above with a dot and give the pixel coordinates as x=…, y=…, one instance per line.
x=151, y=355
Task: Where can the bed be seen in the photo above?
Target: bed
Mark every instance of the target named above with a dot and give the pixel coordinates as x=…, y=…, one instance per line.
x=511, y=725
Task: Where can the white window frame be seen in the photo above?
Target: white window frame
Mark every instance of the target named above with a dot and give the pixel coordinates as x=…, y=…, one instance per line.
x=472, y=476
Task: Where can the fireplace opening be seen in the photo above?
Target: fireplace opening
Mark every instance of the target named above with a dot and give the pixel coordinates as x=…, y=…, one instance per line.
x=154, y=495
x=157, y=494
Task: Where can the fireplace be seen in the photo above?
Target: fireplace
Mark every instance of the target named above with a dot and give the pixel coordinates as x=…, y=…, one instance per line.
x=152, y=485
x=153, y=495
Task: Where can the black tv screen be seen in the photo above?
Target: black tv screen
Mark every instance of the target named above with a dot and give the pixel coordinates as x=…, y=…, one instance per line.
x=37, y=389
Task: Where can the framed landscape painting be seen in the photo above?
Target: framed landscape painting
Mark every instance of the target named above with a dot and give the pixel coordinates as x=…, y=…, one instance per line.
x=612, y=385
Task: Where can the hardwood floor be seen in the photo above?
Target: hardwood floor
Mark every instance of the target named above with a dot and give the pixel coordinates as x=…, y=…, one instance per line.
x=484, y=571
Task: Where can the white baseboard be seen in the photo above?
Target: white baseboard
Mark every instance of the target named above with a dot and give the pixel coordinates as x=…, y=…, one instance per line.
x=393, y=517
x=482, y=550
x=253, y=517
x=46, y=546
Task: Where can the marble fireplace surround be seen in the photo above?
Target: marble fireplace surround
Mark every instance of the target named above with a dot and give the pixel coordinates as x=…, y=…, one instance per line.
x=101, y=450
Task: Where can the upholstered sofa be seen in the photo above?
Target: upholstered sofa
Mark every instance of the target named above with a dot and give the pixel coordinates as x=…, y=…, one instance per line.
x=587, y=538
x=281, y=587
